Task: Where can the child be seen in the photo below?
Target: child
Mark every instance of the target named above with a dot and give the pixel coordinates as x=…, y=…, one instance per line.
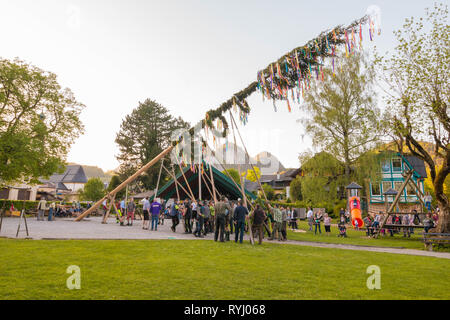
x=327, y=224
x=342, y=228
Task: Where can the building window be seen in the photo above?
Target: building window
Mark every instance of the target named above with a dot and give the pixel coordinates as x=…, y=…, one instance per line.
x=410, y=190
x=397, y=185
x=386, y=185
x=397, y=165
x=385, y=166
x=376, y=189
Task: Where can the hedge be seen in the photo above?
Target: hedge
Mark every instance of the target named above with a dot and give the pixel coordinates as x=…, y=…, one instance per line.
x=29, y=205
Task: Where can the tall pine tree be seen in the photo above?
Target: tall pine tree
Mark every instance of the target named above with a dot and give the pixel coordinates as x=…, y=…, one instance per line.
x=144, y=134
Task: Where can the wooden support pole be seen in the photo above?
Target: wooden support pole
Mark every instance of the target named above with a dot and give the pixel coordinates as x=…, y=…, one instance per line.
x=244, y=198
x=111, y=202
x=199, y=183
x=159, y=179
x=177, y=183
x=226, y=173
x=185, y=180
x=213, y=187
x=251, y=164
x=207, y=187
x=212, y=182
x=399, y=194
x=126, y=182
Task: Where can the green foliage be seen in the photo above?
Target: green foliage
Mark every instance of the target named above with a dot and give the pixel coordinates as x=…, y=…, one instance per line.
x=417, y=78
x=337, y=207
x=234, y=174
x=269, y=191
x=114, y=183
x=30, y=205
x=323, y=174
x=344, y=118
x=295, y=191
x=143, y=134
x=93, y=190
x=39, y=121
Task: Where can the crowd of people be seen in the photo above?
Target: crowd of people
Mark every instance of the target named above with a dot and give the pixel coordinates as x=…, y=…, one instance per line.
x=202, y=217
x=57, y=209
x=225, y=218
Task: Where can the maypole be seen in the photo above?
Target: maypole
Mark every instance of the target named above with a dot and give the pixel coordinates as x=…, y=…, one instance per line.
x=292, y=73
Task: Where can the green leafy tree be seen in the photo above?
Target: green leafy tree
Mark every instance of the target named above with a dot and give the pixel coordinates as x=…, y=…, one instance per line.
x=144, y=134
x=93, y=190
x=323, y=175
x=295, y=190
x=234, y=174
x=344, y=119
x=269, y=191
x=114, y=183
x=417, y=79
x=39, y=121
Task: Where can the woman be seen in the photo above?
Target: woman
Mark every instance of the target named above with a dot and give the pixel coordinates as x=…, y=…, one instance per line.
x=327, y=224
x=317, y=218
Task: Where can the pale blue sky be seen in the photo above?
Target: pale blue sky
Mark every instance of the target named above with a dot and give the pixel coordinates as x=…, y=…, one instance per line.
x=188, y=55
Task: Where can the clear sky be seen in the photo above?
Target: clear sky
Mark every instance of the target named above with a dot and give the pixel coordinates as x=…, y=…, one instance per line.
x=190, y=56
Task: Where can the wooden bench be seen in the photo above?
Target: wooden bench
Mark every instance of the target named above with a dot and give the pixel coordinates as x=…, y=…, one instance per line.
x=435, y=238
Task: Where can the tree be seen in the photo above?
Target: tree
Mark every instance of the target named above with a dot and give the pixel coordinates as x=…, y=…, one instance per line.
x=39, y=122
x=114, y=183
x=233, y=174
x=93, y=190
x=417, y=80
x=344, y=119
x=144, y=134
x=269, y=191
x=250, y=174
x=295, y=190
x=323, y=174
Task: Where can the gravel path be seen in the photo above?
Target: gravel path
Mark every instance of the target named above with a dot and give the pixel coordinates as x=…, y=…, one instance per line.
x=92, y=228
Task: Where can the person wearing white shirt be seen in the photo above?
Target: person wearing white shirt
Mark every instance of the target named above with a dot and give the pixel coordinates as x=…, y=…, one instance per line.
x=310, y=217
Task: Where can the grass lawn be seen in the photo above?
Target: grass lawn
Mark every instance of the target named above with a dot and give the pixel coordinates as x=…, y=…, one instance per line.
x=358, y=238
x=202, y=270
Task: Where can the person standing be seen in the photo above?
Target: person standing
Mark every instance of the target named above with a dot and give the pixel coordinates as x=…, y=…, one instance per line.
x=239, y=217
x=271, y=222
x=155, y=210
x=294, y=219
x=309, y=216
x=259, y=216
x=278, y=218
x=131, y=208
x=220, y=209
x=327, y=224
x=51, y=211
x=284, y=224
x=187, y=217
x=212, y=220
x=406, y=229
x=206, y=218
x=174, y=215
x=427, y=199
x=200, y=220
x=145, y=212
x=368, y=224
x=42, y=206
x=317, y=218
